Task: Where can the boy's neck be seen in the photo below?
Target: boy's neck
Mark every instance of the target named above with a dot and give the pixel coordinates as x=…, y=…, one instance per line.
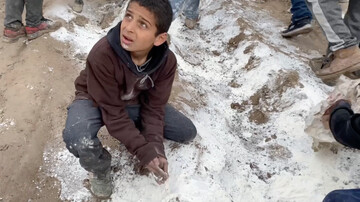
x=139, y=58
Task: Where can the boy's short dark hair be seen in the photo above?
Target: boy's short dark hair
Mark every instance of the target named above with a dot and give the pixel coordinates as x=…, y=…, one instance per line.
x=162, y=11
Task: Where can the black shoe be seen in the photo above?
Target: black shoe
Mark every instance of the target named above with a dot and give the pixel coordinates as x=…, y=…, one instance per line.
x=300, y=27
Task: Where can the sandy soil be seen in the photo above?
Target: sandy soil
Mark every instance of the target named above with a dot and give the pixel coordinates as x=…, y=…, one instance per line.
x=36, y=85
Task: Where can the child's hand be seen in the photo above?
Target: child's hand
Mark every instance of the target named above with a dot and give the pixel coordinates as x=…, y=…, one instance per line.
x=159, y=167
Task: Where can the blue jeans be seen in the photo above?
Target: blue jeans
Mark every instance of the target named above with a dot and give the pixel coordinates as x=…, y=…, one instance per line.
x=15, y=8
x=84, y=121
x=299, y=11
x=190, y=8
x=348, y=195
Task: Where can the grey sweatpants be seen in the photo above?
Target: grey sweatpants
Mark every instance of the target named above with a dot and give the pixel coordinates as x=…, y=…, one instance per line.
x=340, y=33
x=15, y=8
x=84, y=121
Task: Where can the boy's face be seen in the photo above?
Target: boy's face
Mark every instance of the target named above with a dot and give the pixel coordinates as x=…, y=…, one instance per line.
x=138, y=29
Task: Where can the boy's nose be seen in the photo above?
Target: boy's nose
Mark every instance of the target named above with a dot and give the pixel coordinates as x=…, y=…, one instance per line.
x=130, y=26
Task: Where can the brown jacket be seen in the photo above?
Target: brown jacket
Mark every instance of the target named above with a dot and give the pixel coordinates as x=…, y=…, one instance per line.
x=112, y=81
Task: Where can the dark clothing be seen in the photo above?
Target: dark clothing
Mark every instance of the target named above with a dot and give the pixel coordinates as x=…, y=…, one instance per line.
x=84, y=121
x=346, y=195
x=299, y=11
x=15, y=8
x=112, y=81
x=345, y=125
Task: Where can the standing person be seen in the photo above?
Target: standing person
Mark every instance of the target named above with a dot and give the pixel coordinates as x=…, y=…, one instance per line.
x=300, y=19
x=36, y=24
x=126, y=86
x=190, y=8
x=343, y=36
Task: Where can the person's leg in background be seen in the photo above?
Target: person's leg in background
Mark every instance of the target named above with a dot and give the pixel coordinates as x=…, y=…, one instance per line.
x=191, y=12
x=352, y=19
x=190, y=8
x=343, y=45
x=300, y=20
x=13, y=26
x=34, y=11
x=36, y=24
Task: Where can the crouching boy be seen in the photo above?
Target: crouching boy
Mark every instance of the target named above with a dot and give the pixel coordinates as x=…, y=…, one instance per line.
x=126, y=86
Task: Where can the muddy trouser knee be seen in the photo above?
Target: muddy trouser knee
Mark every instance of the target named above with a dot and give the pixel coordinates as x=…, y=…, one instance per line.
x=328, y=13
x=80, y=135
x=13, y=13
x=348, y=195
x=344, y=125
x=177, y=127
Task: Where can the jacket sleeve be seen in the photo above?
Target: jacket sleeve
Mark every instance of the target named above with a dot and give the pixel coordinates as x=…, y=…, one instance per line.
x=105, y=91
x=153, y=108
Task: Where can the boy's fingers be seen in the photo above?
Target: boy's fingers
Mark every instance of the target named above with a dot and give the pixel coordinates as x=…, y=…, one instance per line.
x=166, y=168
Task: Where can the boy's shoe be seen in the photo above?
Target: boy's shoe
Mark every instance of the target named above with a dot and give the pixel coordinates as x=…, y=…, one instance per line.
x=300, y=27
x=78, y=6
x=345, y=61
x=45, y=26
x=101, y=185
x=190, y=23
x=12, y=34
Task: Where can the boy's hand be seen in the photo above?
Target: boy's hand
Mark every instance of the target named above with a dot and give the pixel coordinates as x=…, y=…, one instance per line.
x=159, y=167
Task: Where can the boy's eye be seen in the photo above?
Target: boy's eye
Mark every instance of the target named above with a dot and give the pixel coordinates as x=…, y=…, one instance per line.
x=128, y=16
x=143, y=25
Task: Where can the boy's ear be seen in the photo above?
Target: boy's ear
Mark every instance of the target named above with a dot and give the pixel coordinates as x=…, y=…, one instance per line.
x=160, y=39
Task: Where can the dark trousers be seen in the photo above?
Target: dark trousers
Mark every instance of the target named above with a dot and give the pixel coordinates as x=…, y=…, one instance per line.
x=345, y=126
x=346, y=195
x=299, y=11
x=84, y=121
x=15, y=8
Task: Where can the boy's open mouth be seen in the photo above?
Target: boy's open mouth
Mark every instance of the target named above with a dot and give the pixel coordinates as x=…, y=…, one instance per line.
x=126, y=40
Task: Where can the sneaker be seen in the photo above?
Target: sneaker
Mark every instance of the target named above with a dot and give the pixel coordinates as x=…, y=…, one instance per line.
x=300, y=27
x=78, y=6
x=345, y=61
x=12, y=34
x=45, y=26
x=190, y=23
x=101, y=185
